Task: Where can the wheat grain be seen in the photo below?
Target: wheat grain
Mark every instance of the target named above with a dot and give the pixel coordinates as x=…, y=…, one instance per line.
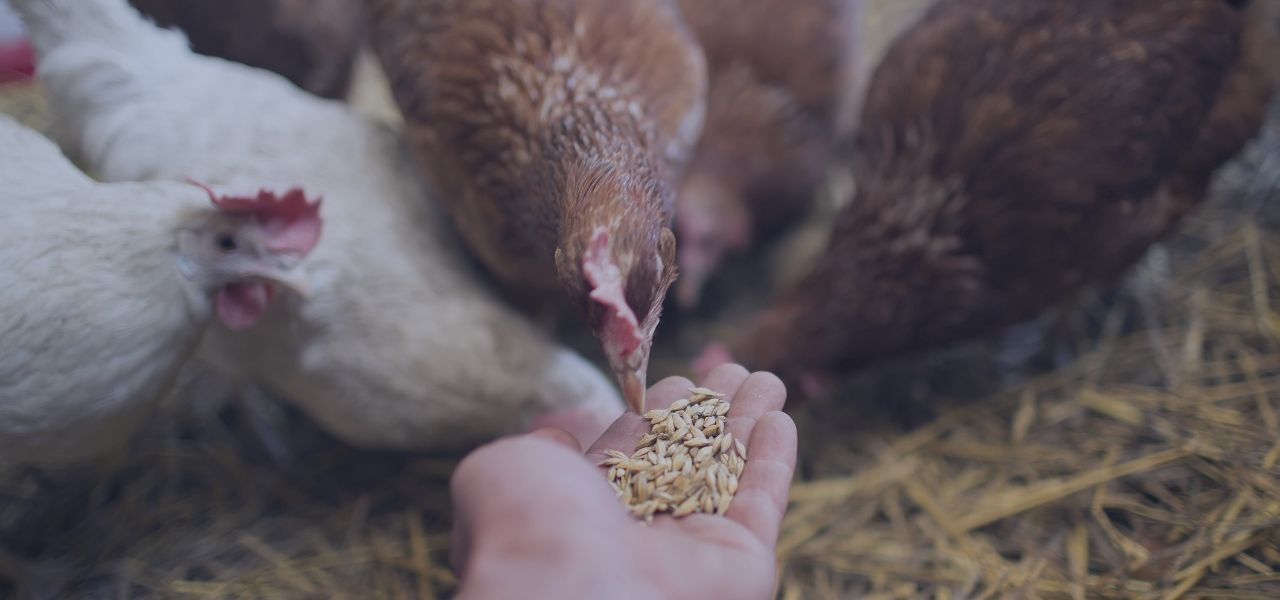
x=688, y=462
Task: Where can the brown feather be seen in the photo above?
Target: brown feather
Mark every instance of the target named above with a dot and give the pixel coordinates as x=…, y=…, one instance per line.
x=539, y=121
x=1009, y=153
x=776, y=78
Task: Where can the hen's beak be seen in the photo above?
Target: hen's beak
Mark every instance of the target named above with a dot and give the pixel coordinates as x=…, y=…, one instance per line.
x=290, y=280
x=632, y=383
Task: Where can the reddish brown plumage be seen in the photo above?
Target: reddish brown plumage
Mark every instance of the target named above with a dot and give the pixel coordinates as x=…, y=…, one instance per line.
x=1011, y=152
x=311, y=42
x=776, y=77
x=540, y=121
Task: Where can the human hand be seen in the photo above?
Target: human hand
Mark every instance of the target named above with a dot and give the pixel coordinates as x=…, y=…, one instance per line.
x=535, y=519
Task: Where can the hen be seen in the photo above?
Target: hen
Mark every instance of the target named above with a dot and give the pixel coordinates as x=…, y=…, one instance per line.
x=106, y=290
x=555, y=131
x=778, y=71
x=311, y=42
x=1012, y=152
x=398, y=346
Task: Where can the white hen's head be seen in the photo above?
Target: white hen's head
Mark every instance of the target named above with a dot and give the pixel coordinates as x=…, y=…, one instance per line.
x=246, y=247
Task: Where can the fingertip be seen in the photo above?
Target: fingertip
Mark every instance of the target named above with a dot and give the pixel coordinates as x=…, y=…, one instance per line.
x=729, y=370
x=762, y=392
x=674, y=381
x=559, y=436
x=667, y=391
x=771, y=386
x=465, y=474
x=775, y=435
x=585, y=423
x=726, y=379
x=779, y=419
x=500, y=453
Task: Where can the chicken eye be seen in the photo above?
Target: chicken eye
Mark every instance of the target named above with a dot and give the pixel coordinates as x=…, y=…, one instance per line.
x=227, y=242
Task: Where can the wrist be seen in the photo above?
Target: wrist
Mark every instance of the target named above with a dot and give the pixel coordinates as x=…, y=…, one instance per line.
x=529, y=565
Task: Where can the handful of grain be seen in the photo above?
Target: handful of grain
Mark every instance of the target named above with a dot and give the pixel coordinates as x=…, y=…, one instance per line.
x=687, y=463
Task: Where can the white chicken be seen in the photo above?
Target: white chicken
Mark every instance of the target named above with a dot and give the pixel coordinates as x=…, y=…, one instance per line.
x=399, y=346
x=105, y=290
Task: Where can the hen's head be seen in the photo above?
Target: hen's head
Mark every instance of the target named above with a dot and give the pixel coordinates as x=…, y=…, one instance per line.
x=616, y=259
x=246, y=247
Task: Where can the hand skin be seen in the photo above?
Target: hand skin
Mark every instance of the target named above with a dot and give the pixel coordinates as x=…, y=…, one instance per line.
x=535, y=519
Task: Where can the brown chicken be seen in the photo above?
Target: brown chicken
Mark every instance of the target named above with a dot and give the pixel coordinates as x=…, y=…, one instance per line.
x=555, y=131
x=777, y=70
x=1011, y=152
x=313, y=43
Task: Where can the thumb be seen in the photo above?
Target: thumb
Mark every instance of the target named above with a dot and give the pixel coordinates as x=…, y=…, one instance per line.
x=558, y=436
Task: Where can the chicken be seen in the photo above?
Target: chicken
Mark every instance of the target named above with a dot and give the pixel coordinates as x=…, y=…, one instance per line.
x=399, y=345
x=778, y=71
x=313, y=43
x=555, y=130
x=107, y=289
x=1010, y=153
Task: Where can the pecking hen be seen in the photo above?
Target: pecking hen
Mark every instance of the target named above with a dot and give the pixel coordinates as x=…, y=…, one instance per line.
x=555, y=131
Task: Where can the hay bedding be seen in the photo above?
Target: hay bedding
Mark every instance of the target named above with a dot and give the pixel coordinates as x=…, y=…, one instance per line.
x=1145, y=467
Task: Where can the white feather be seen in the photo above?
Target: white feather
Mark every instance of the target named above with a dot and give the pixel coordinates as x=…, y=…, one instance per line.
x=95, y=317
x=399, y=345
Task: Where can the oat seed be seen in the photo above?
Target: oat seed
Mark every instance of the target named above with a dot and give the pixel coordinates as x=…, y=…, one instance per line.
x=687, y=463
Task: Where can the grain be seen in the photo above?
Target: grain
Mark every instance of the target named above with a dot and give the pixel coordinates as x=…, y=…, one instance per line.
x=688, y=462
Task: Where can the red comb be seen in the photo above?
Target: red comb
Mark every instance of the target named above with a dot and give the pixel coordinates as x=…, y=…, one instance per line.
x=17, y=61
x=292, y=222
x=622, y=329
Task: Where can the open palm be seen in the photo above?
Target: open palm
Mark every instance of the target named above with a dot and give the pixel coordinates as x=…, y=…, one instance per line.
x=535, y=519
